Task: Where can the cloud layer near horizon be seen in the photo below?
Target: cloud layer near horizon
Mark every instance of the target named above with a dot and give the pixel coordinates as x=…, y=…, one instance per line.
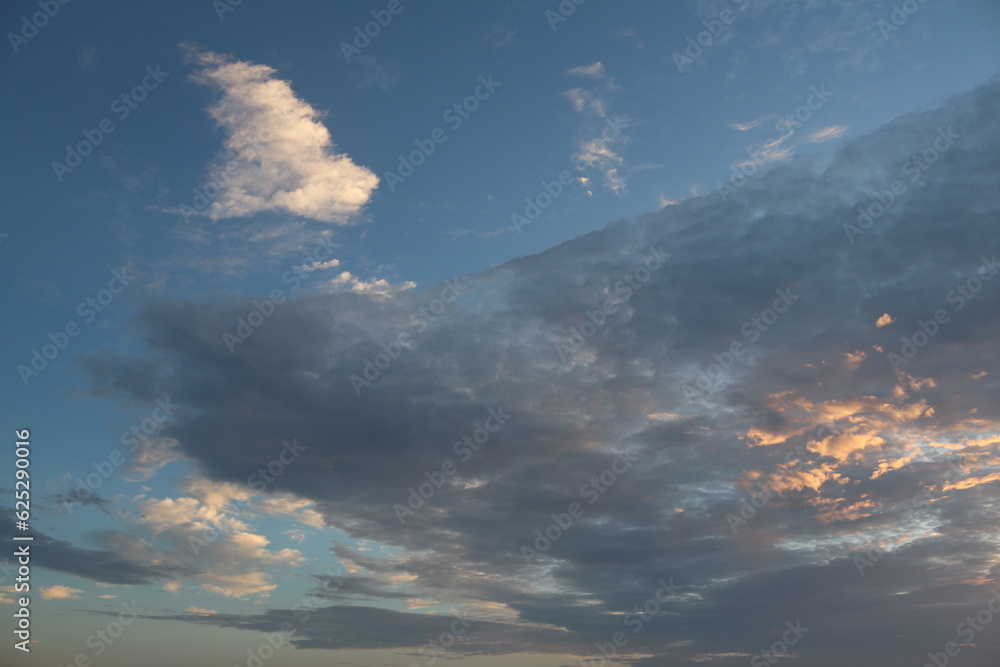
x=855, y=452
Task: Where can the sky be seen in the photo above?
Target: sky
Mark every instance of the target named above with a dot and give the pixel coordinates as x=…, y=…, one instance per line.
x=545, y=333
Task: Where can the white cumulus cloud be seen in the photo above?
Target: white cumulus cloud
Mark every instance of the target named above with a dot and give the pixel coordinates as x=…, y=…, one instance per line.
x=278, y=156
x=60, y=593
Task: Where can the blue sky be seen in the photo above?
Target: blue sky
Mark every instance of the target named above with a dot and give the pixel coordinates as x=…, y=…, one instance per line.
x=321, y=297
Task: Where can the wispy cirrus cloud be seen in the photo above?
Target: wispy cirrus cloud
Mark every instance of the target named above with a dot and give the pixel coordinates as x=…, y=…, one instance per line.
x=594, y=70
x=828, y=133
x=765, y=152
x=743, y=127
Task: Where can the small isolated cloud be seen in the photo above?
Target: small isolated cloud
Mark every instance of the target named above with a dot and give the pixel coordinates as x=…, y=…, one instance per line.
x=597, y=153
x=884, y=320
x=772, y=150
x=743, y=127
x=379, y=286
x=592, y=71
x=278, y=156
x=200, y=610
x=853, y=359
x=629, y=32
x=828, y=133
x=320, y=266
x=60, y=593
x=582, y=100
x=296, y=535
x=601, y=130
x=154, y=454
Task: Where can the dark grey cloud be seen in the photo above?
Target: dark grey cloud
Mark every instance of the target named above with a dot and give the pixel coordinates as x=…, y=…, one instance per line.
x=66, y=501
x=342, y=627
x=357, y=588
x=822, y=364
x=106, y=566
